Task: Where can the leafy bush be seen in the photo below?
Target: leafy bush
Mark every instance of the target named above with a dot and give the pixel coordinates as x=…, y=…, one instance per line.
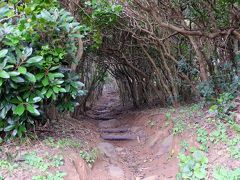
x=222, y=173
x=206, y=90
x=223, y=105
x=193, y=166
x=89, y=156
x=37, y=43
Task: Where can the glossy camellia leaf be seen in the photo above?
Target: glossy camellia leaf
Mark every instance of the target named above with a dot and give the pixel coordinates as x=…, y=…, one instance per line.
x=30, y=77
x=34, y=59
x=21, y=130
x=49, y=93
x=9, y=127
x=3, y=53
x=45, y=81
x=37, y=99
x=14, y=132
x=3, y=64
x=62, y=90
x=13, y=73
x=17, y=79
x=19, y=110
x=39, y=76
x=56, y=89
x=22, y=70
x=32, y=110
x=4, y=74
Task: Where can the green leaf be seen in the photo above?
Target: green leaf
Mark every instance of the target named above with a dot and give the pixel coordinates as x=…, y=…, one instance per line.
x=13, y=73
x=51, y=76
x=3, y=64
x=80, y=84
x=49, y=93
x=4, y=74
x=54, y=68
x=62, y=90
x=4, y=111
x=1, y=82
x=14, y=133
x=58, y=75
x=3, y=53
x=21, y=130
x=30, y=77
x=17, y=79
x=34, y=59
x=56, y=89
x=19, y=110
x=37, y=99
x=32, y=110
x=9, y=128
x=45, y=81
x=22, y=70
x=39, y=76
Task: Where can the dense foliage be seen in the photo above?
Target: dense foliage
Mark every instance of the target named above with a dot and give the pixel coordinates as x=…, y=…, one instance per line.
x=37, y=42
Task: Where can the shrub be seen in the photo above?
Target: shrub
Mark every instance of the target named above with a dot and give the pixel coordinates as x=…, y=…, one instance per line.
x=37, y=43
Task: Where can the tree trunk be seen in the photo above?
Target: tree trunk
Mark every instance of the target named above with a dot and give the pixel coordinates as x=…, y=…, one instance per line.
x=200, y=57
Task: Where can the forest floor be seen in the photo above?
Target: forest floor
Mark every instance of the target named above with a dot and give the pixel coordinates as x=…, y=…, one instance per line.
x=141, y=144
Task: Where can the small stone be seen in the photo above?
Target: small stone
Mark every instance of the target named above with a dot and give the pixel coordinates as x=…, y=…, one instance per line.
x=107, y=149
x=119, y=149
x=113, y=123
x=116, y=172
x=151, y=178
x=135, y=129
x=166, y=145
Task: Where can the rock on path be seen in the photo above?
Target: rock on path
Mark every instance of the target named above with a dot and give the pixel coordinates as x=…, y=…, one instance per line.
x=107, y=149
x=166, y=145
x=116, y=172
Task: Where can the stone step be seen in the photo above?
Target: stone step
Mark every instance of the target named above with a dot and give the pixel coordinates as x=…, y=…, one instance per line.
x=116, y=130
x=113, y=137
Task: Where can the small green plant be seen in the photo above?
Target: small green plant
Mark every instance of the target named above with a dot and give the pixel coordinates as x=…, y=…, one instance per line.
x=193, y=166
x=223, y=106
x=202, y=138
x=62, y=143
x=89, y=156
x=4, y=164
x=196, y=107
x=168, y=116
x=179, y=126
x=184, y=145
x=57, y=161
x=167, y=123
x=35, y=161
x=223, y=173
x=57, y=176
x=234, y=147
x=220, y=134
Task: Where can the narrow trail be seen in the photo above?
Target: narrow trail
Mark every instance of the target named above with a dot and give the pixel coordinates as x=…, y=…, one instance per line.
x=132, y=150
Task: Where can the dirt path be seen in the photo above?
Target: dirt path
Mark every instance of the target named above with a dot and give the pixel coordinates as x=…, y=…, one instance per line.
x=132, y=149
